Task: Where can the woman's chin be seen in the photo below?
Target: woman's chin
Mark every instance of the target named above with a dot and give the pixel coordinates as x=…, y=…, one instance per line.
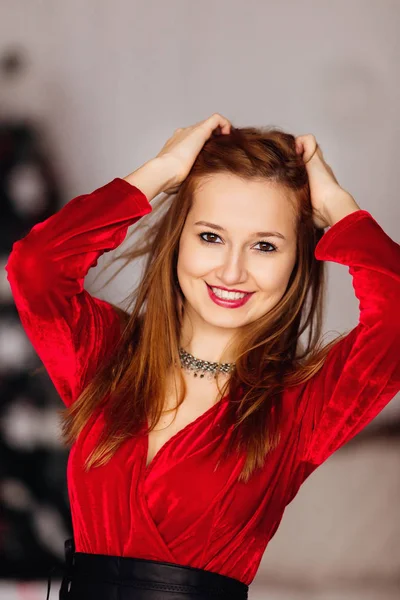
x=227, y=321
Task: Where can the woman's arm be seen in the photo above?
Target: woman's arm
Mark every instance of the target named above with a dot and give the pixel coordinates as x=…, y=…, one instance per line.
x=361, y=373
x=71, y=330
x=151, y=178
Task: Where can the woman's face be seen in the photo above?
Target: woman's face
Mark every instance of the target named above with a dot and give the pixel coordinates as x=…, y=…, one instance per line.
x=236, y=257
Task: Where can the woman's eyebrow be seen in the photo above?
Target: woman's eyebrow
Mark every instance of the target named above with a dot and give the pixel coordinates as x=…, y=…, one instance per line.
x=257, y=233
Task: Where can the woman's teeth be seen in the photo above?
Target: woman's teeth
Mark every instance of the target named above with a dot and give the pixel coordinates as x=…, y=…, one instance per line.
x=227, y=295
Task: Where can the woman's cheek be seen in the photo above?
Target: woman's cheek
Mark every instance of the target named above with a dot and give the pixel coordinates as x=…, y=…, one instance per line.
x=195, y=260
x=273, y=279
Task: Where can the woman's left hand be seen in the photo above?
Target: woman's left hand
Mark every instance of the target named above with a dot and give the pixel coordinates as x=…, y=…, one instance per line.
x=325, y=190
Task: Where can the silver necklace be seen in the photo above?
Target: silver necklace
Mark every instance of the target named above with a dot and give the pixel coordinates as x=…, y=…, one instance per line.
x=210, y=369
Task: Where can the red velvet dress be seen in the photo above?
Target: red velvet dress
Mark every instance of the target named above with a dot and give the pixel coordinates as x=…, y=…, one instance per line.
x=178, y=509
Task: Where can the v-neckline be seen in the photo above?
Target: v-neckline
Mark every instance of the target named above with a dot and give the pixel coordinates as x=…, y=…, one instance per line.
x=147, y=468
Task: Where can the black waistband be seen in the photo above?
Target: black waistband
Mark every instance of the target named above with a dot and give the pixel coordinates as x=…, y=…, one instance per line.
x=104, y=577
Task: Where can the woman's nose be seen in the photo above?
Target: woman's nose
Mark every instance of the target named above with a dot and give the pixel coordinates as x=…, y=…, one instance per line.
x=233, y=268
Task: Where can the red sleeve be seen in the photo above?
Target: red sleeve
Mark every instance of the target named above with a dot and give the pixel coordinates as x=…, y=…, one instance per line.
x=71, y=330
x=362, y=372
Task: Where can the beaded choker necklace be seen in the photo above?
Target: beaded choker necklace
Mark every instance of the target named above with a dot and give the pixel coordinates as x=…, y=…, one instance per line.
x=204, y=367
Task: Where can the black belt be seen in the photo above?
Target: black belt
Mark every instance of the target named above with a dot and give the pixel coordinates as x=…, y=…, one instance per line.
x=103, y=577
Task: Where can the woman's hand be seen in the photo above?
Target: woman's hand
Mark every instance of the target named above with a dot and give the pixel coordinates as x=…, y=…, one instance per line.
x=326, y=193
x=182, y=148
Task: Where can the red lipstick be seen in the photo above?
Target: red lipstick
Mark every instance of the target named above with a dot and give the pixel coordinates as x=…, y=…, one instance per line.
x=228, y=303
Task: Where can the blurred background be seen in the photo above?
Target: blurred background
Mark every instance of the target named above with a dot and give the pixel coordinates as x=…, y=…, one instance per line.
x=89, y=91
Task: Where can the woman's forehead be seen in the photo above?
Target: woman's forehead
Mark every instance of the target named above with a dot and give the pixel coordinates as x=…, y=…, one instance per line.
x=234, y=204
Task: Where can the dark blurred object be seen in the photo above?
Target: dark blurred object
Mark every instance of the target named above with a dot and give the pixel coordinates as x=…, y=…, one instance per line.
x=12, y=62
x=28, y=189
x=34, y=508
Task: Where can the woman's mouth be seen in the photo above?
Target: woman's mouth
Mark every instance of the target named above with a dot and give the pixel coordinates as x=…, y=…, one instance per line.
x=220, y=297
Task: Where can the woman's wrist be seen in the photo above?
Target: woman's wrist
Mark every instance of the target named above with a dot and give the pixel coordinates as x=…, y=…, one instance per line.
x=152, y=178
x=342, y=206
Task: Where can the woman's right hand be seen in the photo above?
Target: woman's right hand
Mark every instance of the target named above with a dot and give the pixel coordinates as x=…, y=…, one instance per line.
x=182, y=148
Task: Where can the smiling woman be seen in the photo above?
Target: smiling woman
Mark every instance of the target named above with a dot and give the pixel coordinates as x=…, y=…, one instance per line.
x=204, y=493
x=245, y=180
x=233, y=259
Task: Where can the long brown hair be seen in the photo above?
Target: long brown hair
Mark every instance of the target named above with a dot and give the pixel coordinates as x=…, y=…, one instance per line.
x=269, y=354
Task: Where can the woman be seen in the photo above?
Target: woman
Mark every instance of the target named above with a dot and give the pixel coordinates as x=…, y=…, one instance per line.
x=188, y=504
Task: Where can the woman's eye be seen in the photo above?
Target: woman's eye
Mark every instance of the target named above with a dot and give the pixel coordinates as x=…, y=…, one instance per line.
x=268, y=244
x=205, y=233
